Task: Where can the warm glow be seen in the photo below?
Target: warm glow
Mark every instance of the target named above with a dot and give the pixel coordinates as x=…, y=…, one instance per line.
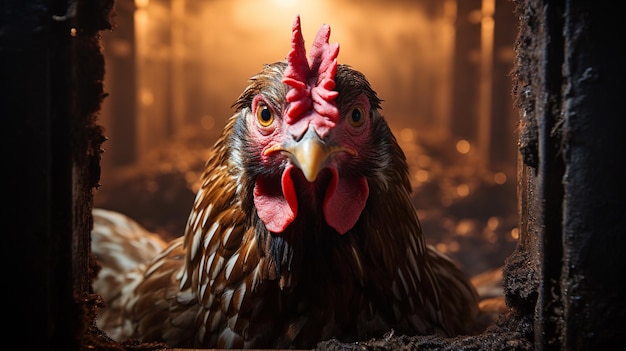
x=515, y=233
x=142, y=3
x=464, y=227
x=407, y=135
x=121, y=48
x=441, y=247
x=422, y=176
x=493, y=222
x=463, y=146
x=141, y=21
x=499, y=178
x=463, y=190
x=146, y=97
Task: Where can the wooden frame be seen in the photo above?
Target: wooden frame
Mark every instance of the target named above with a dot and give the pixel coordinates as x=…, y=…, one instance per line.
x=563, y=283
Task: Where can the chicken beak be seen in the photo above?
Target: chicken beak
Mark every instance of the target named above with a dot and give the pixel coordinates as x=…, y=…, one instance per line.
x=311, y=155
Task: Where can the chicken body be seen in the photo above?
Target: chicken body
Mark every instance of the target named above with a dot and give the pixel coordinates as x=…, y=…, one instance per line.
x=303, y=228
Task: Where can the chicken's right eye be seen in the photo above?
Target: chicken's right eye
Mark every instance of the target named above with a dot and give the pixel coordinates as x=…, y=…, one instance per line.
x=357, y=117
x=264, y=115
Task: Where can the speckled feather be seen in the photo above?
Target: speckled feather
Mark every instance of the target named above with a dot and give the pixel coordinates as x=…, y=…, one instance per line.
x=229, y=283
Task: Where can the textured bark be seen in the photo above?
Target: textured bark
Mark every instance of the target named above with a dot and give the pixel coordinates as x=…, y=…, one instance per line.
x=51, y=91
x=569, y=85
x=594, y=136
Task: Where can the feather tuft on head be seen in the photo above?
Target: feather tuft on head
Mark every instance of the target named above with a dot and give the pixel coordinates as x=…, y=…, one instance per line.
x=312, y=81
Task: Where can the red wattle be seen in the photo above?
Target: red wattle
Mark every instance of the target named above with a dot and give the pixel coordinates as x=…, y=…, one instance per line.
x=344, y=201
x=289, y=191
x=276, y=204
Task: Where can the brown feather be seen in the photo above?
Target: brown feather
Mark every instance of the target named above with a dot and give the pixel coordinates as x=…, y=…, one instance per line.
x=230, y=283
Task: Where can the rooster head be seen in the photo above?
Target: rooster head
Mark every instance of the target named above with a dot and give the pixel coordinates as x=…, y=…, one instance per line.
x=305, y=140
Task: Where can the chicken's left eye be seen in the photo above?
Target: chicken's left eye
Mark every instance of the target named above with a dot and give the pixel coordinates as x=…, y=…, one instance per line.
x=264, y=115
x=357, y=117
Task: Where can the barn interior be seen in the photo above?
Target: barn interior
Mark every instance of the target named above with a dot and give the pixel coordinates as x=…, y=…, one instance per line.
x=442, y=68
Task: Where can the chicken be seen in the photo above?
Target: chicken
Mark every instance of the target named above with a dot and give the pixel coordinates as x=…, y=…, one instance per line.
x=302, y=230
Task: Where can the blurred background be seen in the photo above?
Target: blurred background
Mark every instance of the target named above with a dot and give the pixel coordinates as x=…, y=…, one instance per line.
x=442, y=67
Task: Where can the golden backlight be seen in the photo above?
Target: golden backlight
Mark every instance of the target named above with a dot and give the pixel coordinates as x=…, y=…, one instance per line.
x=174, y=68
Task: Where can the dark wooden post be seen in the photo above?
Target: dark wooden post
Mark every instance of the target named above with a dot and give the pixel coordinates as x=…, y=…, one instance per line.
x=570, y=81
x=594, y=135
x=51, y=89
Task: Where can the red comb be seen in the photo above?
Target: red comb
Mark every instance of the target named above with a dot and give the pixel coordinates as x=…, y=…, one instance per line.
x=312, y=82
